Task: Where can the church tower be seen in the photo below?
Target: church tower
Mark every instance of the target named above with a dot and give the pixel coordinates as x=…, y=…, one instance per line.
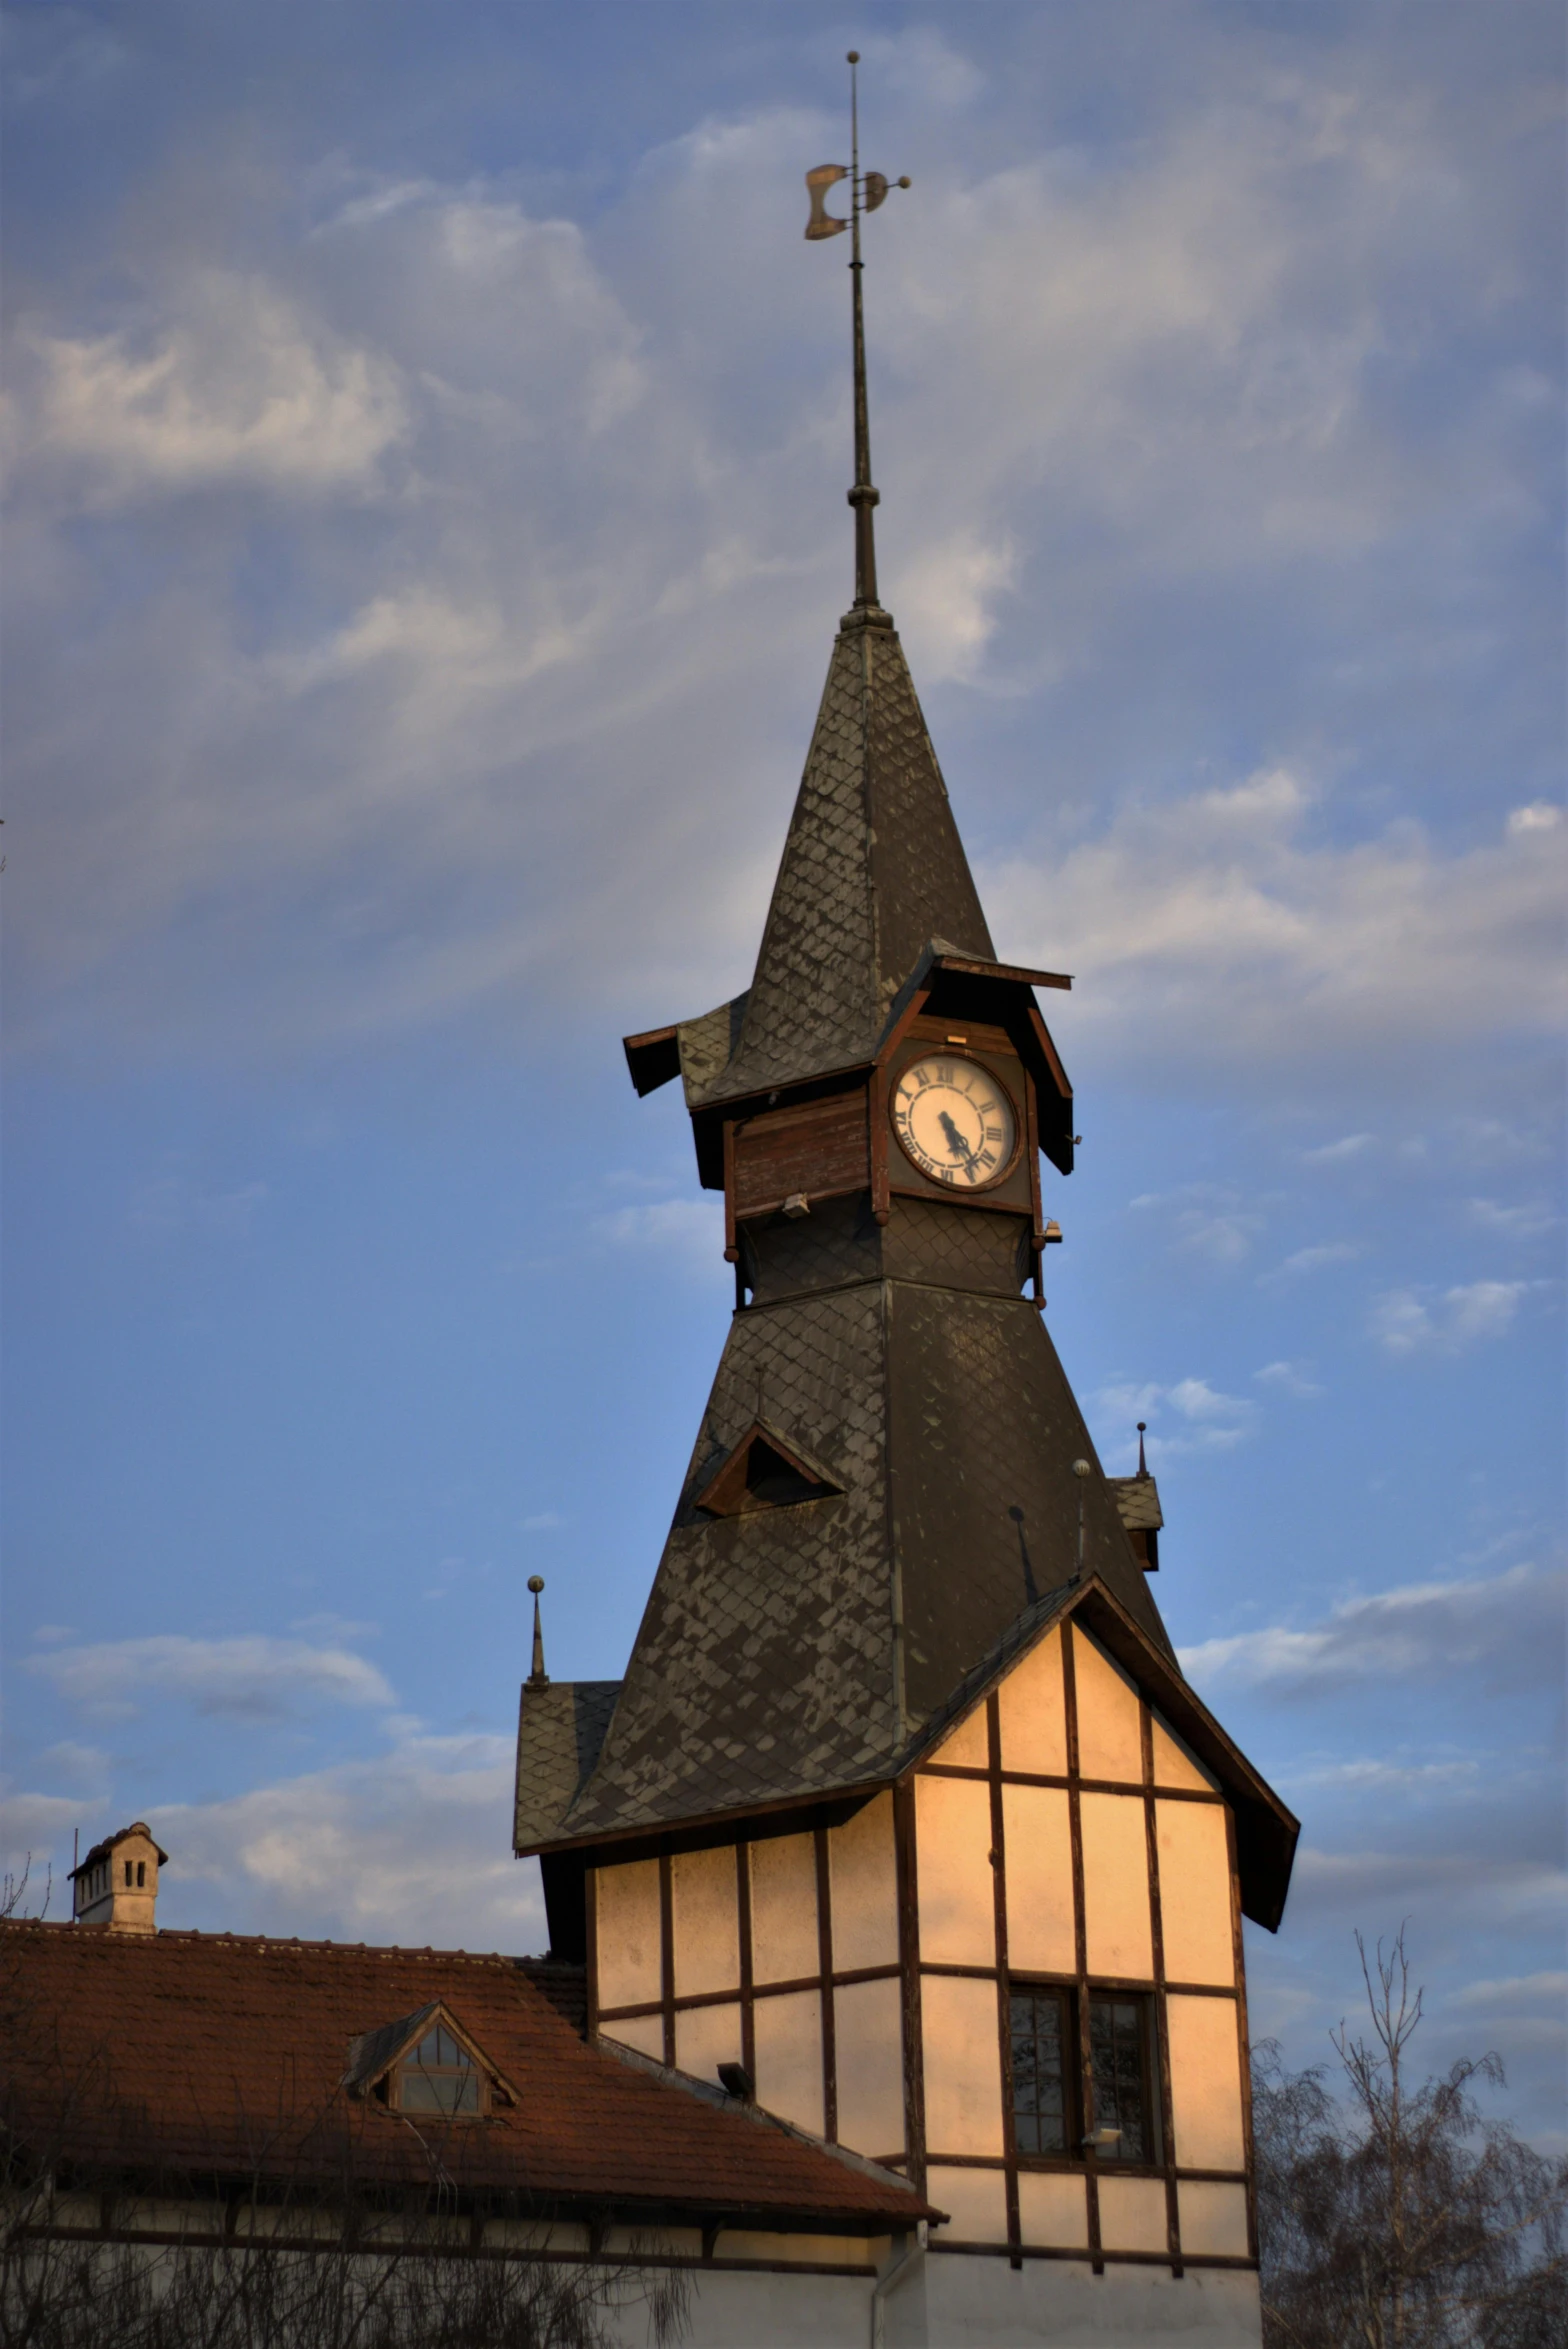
x=904, y=1820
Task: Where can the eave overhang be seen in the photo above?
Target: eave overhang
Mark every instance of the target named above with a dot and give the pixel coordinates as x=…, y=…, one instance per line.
x=943, y=983
x=1266, y=1831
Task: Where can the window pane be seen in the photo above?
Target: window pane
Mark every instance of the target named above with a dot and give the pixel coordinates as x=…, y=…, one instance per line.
x=429, y=2049
x=1039, y=2071
x=1117, y=2034
x=439, y=2091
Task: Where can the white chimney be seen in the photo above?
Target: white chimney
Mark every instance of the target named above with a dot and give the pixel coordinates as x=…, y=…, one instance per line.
x=117, y=1884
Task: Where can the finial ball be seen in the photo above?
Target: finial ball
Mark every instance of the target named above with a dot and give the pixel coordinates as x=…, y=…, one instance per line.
x=1080, y=1468
x=536, y=1583
x=854, y=57
x=906, y=181
x=1143, y=1427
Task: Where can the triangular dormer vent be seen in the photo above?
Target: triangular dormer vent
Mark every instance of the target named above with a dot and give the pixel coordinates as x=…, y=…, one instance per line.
x=764, y=1472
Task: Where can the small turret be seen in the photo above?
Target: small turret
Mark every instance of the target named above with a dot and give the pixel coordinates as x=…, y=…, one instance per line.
x=117, y=1884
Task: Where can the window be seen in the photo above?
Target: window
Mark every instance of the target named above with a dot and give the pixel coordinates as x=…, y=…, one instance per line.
x=1042, y=2071
x=141, y=1874
x=1121, y=2073
x=439, y=2075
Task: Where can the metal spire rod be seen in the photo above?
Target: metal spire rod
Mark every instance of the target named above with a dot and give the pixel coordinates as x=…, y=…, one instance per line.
x=862, y=497
x=867, y=191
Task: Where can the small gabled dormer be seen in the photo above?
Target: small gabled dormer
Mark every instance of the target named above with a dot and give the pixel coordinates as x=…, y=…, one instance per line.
x=117, y=1884
x=764, y=1471
x=425, y=2063
x=1138, y=1500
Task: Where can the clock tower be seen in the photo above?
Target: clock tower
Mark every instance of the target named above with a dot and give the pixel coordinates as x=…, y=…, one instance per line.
x=903, y=1818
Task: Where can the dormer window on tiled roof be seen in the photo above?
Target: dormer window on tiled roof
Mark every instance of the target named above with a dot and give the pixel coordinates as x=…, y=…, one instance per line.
x=424, y=2064
x=439, y=2075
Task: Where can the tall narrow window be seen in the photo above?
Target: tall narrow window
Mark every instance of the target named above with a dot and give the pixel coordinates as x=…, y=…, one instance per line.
x=438, y=2076
x=1041, y=2070
x=1121, y=2078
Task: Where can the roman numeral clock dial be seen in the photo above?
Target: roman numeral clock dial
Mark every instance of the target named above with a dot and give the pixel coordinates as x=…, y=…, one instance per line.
x=955, y=1122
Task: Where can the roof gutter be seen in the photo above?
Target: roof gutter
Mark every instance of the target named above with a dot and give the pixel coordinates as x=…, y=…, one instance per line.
x=888, y=2282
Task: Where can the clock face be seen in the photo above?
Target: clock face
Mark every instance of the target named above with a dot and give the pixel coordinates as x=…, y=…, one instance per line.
x=955, y=1121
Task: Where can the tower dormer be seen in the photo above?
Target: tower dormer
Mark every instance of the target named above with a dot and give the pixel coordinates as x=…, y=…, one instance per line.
x=117, y=1884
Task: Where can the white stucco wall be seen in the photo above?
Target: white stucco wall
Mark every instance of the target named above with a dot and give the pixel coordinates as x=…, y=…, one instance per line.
x=948, y=2301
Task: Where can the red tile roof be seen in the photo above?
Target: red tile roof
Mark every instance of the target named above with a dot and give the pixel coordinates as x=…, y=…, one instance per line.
x=220, y=2055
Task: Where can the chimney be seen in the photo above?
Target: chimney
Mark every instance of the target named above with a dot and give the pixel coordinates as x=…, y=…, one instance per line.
x=117, y=1884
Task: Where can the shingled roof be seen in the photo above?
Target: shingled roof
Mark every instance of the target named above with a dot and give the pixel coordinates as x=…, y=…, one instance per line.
x=796, y=1652
x=210, y=2054
x=873, y=872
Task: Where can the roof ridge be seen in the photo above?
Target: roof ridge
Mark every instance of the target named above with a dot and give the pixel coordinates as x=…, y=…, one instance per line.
x=277, y=1943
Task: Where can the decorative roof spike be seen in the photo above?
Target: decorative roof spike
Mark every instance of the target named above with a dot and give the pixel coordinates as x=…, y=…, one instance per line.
x=538, y=1677
x=867, y=191
x=1143, y=1465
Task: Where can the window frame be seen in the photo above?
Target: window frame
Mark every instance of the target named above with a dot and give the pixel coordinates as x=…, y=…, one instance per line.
x=1026, y=1986
x=1149, y=2081
x=468, y=2068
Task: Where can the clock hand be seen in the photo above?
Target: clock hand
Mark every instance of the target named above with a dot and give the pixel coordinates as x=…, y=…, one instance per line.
x=955, y=1140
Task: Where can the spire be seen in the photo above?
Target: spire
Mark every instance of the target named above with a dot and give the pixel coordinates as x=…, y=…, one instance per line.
x=866, y=192
x=538, y=1677
x=1143, y=1465
x=873, y=872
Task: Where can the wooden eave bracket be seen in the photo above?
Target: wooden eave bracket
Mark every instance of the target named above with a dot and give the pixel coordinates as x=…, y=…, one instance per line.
x=654, y=1058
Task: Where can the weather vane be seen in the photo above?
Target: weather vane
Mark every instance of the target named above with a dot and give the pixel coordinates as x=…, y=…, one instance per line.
x=867, y=190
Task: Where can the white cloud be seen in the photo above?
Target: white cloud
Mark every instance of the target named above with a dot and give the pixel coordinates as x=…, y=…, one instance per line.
x=547, y=710
x=1333, y=1153
x=1539, y=816
x=1529, y=1219
x=1291, y=1378
x=1380, y=1775
x=1315, y=1258
x=169, y=1204
x=1209, y=1419
x=1418, y=1321
x=411, y=1846
x=247, y=1675
x=690, y=1230
x=1515, y=1992
x=1507, y=1630
x=237, y=387
x=1216, y=924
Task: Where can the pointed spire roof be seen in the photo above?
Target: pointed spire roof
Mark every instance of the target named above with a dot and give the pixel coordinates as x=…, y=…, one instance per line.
x=873, y=873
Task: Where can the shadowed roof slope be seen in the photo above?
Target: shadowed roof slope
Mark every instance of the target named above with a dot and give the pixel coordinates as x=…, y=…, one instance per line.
x=873, y=870
x=207, y=2052
x=794, y=1653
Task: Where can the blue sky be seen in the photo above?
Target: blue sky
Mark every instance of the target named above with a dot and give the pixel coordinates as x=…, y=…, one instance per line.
x=427, y=434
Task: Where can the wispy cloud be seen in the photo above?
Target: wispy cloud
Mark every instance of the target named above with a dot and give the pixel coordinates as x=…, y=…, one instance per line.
x=410, y=1846
x=1507, y=1630
x=689, y=1230
x=1207, y=1418
x=1290, y=1378
x=1335, y=1153
x=1421, y=1321
x=241, y=387
x=250, y=1675
x=1314, y=1259
x=1529, y=1219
